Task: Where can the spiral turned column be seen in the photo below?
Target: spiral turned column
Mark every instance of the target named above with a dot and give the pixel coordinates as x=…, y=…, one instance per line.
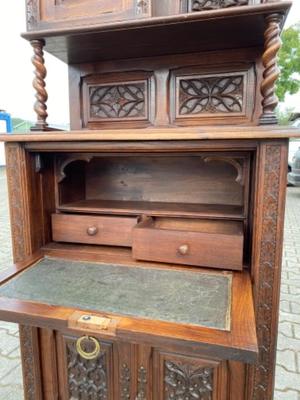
x=271, y=72
x=39, y=85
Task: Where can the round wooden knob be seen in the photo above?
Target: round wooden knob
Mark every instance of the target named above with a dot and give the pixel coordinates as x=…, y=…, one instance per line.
x=183, y=249
x=92, y=230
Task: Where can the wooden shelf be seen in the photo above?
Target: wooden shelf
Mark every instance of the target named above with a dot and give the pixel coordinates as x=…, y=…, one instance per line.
x=154, y=209
x=153, y=134
x=234, y=27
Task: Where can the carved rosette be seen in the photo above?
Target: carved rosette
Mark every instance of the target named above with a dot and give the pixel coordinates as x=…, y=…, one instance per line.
x=187, y=382
x=201, y=5
x=39, y=84
x=268, y=274
x=87, y=379
x=125, y=379
x=271, y=71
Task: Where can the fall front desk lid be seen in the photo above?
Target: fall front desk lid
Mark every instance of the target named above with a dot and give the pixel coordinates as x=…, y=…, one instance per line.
x=188, y=297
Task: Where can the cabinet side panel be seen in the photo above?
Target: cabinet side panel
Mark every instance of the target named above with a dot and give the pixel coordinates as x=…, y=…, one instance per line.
x=30, y=363
x=266, y=264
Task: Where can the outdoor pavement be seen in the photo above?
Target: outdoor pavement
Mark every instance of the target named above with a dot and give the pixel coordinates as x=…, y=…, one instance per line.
x=288, y=355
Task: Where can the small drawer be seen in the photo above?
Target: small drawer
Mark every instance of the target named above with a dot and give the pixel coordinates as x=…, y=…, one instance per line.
x=106, y=230
x=217, y=244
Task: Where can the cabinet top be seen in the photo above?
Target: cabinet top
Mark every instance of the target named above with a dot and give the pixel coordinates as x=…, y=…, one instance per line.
x=233, y=27
x=163, y=134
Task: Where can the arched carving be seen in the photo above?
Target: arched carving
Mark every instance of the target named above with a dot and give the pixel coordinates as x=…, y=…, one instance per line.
x=65, y=162
x=239, y=168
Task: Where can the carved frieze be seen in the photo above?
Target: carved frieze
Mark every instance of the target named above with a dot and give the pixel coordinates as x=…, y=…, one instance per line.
x=210, y=94
x=118, y=101
x=142, y=383
x=185, y=381
x=87, y=379
x=201, y=5
x=125, y=381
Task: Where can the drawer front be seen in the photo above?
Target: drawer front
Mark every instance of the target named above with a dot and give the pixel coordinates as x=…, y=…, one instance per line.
x=115, y=231
x=191, y=248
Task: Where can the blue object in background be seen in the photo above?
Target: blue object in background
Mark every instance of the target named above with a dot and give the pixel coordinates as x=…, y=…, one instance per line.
x=4, y=116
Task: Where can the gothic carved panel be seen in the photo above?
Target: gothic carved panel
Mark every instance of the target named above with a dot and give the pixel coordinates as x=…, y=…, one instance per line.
x=198, y=97
x=88, y=379
x=118, y=101
x=210, y=95
x=114, y=99
x=185, y=381
x=201, y=5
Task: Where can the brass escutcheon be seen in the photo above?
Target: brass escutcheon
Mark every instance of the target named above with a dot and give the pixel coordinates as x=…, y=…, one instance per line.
x=88, y=356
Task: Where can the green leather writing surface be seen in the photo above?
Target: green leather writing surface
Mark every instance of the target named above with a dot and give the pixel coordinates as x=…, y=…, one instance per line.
x=189, y=297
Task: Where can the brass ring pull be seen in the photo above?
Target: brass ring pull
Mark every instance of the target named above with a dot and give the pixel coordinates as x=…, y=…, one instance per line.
x=88, y=356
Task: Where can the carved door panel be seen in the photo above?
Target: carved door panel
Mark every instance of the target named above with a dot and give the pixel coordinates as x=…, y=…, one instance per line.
x=178, y=377
x=42, y=14
x=85, y=368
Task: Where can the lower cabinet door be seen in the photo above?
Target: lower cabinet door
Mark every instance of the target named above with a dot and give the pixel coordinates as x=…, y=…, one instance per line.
x=181, y=377
x=85, y=368
x=90, y=368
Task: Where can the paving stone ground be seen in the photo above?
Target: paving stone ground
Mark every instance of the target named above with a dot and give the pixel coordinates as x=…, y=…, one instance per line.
x=288, y=354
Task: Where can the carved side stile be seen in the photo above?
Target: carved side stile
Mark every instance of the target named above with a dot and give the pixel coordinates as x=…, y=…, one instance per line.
x=268, y=248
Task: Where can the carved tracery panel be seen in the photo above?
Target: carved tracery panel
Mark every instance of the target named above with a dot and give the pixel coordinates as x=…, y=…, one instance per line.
x=201, y=5
x=216, y=94
x=88, y=379
x=117, y=101
x=185, y=381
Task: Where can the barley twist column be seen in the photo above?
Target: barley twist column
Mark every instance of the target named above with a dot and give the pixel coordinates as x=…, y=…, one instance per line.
x=39, y=85
x=271, y=72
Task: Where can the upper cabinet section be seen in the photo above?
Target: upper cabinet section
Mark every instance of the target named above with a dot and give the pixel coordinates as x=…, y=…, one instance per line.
x=45, y=14
x=83, y=31
x=52, y=14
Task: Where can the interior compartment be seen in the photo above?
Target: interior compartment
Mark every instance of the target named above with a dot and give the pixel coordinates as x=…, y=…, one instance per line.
x=181, y=185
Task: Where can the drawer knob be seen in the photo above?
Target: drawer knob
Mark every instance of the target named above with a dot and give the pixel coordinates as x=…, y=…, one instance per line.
x=183, y=249
x=92, y=230
x=83, y=353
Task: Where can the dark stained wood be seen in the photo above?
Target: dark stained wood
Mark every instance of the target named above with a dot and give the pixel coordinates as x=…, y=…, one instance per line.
x=165, y=157
x=239, y=27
